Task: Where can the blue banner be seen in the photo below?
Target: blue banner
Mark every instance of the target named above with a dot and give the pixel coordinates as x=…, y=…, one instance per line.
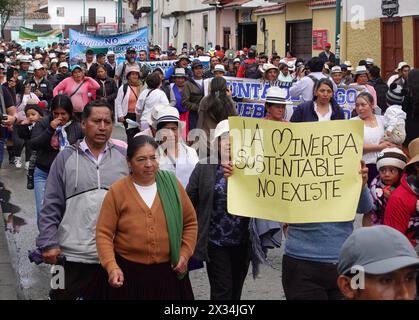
x=250, y=95
x=80, y=42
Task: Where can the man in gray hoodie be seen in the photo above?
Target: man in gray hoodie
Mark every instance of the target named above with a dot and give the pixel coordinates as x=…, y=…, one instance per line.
x=77, y=183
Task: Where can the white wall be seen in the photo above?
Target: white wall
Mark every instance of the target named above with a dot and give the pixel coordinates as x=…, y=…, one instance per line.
x=227, y=19
x=73, y=10
x=371, y=9
x=194, y=35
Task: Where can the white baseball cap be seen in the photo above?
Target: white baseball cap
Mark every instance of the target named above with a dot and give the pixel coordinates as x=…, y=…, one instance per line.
x=110, y=53
x=37, y=65
x=336, y=69
x=63, y=64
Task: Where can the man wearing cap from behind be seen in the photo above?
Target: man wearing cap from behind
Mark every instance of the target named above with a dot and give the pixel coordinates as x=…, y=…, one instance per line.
x=377, y=263
x=327, y=55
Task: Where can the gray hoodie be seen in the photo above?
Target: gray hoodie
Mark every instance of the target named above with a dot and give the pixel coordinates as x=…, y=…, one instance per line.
x=74, y=191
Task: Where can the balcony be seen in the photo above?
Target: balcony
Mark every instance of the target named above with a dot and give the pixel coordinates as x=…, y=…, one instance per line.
x=85, y=20
x=176, y=7
x=137, y=7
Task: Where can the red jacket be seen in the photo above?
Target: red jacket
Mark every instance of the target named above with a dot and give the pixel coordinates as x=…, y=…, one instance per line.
x=401, y=210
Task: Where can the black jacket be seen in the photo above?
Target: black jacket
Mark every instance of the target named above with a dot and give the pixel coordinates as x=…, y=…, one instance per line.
x=412, y=120
x=110, y=92
x=305, y=112
x=200, y=190
x=331, y=59
x=92, y=73
x=41, y=141
x=381, y=88
x=57, y=78
x=44, y=86
x=110, y=70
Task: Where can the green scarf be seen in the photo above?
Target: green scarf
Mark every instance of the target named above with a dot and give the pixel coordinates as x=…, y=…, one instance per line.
x=168, y=189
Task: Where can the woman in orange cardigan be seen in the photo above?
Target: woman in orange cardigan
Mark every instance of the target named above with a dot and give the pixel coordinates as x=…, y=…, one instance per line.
x=146, y=231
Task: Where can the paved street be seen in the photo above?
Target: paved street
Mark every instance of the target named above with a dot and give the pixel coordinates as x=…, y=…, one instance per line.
x=33, y=281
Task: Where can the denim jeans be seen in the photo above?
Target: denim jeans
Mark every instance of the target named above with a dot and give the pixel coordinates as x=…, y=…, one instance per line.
x=39, y=178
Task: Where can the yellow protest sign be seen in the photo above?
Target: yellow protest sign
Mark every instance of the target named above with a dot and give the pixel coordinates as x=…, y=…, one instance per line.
x=295, y=172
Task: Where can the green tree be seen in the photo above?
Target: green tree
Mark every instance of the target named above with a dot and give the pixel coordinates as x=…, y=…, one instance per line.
x=8, y=8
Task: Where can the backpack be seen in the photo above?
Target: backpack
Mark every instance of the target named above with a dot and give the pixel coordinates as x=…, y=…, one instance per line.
x=315, y=80
x=251, y=70
x=124, y=90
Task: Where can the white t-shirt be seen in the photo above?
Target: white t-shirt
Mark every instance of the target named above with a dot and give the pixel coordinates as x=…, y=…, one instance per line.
x=148, y=194
x=146, y=101
x=372, y=136
x=185, y=163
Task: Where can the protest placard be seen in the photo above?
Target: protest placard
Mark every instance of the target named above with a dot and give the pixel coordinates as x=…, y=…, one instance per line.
x=295, y=172
x=80, y=42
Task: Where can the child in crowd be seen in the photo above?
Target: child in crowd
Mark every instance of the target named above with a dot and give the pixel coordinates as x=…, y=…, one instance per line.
x=394, y=117
x=34, y=112
x=390, y=165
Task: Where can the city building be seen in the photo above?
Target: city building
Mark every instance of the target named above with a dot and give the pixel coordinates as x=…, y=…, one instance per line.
x=82, y=15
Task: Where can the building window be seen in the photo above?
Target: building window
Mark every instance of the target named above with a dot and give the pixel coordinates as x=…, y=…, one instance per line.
x=60, y=11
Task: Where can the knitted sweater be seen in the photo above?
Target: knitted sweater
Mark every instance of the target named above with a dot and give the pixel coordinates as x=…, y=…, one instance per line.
x=137, y=233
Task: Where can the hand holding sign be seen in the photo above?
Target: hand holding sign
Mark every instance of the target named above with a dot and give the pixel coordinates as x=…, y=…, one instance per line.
x=295, y=173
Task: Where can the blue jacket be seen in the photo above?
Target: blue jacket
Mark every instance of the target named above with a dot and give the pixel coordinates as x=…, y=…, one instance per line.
x=305, y=112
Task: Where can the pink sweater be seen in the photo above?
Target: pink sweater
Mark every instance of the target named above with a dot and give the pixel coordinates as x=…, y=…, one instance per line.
x=67, y=87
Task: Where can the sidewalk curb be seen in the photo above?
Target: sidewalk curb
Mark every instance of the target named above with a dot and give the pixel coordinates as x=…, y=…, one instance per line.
x=8, y=282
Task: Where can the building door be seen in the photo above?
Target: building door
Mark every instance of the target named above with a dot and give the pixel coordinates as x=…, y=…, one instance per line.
x=188, y=32
x=391, y=45
x=299, y=39
x=416, y=41
x=166, y=37
x=226, y=38
x=247, y=35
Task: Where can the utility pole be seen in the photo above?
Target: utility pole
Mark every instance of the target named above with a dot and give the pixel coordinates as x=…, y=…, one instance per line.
x=24, y=14
x=84, y=16
x=338, y=38
x=152, y=21
x=119, y=16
